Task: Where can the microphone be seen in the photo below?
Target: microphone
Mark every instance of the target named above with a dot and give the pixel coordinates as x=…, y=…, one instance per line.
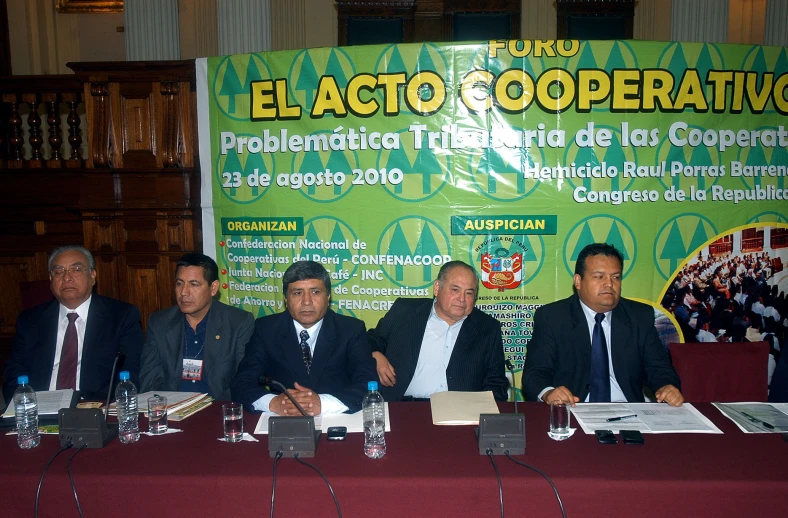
x=290, y=436
x=502, y=434
x=266, y=380
x=510, y=366
x=87, y=426
x=112, y=378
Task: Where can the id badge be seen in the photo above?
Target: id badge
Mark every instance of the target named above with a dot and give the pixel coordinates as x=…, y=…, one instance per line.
x=192, y=370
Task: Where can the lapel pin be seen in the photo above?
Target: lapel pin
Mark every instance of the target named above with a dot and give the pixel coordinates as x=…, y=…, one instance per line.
x=217, y=337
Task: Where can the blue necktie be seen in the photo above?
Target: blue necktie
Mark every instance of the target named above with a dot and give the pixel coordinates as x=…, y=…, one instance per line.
x=600, y=371
x=305, y=351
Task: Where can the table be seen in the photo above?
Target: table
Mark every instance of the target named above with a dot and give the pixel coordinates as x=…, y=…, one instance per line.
x=429, y=471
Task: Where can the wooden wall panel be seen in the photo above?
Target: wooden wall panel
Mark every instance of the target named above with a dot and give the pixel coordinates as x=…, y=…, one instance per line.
x=142, y=281
x=107, y=276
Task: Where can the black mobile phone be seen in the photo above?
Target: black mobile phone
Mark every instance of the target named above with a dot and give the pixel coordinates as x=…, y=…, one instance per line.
x=605, y=437
x=336, y=433
x=631, y=437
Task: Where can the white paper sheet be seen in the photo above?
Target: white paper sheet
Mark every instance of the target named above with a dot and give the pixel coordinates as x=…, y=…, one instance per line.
x=353, y=422
x=49, y=402
x=651, y=418
x=760, y=416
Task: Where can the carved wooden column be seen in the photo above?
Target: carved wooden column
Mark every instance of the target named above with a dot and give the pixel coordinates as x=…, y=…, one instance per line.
x=74, y=132
x=171, y=118
x=100, y=125
x=17, y=139
x=34, y=124
x=53, y=122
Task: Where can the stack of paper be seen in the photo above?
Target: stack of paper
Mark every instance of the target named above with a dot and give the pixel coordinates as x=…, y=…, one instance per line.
x=180, y=405
x=49, y=402
x=460, y=408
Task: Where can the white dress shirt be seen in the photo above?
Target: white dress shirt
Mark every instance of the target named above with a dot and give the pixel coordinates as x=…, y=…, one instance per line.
x=62, y=323
x=434, y=355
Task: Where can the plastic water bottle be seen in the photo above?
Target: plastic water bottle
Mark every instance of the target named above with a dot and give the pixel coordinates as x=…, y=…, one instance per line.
x=128, y=416
x=374, y=412
x=26, y=410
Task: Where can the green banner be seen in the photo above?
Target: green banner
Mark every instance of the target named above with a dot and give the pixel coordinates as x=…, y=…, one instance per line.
x=384, y=162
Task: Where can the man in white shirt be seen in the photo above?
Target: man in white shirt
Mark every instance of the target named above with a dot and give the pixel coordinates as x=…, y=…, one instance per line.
x=423, y=346
x=72, y=341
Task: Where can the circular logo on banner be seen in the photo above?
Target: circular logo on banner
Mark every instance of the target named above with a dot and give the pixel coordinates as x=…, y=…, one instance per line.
x=752, y=160
x=678, y=57
x=231, y=84
x=768, y=217
x=411, y=250
x=393, y=61
x=602, y=228
x=323, y=176
x=762, y=59
x=310, y=65
x=603, y=160
x=424, y=172
x=700, y=165
x=239, y=175
x=679, y=237
x=498, y=173
x=528, y=249
x=607, y=55
x=329, y=241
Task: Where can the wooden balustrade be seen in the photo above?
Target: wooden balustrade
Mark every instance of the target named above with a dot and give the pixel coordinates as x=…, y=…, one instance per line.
x=104, y=158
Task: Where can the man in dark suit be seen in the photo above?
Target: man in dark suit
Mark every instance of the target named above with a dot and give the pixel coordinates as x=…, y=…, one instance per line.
x=323, y=356
x=423, y=346
x=197, y=345
x=71, y=342
x=570, y=357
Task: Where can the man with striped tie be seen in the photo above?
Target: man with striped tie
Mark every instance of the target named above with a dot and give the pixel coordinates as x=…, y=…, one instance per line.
x=321, y=357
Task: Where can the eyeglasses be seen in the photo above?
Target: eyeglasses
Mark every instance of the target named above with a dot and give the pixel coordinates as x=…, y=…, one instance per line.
x=75, y=271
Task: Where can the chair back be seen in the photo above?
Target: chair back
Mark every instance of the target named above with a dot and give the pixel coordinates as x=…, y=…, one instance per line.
x=725, y=372
x=34, y=293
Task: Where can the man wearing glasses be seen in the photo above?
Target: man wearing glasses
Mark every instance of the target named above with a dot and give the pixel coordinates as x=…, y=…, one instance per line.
x=71, y=342
x=322, y=358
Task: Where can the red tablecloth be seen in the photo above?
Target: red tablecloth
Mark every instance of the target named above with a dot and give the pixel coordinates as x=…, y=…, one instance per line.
x=428, y=471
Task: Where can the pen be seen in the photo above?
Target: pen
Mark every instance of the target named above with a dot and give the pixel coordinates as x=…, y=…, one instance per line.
x=620, y=418
x=758, y=421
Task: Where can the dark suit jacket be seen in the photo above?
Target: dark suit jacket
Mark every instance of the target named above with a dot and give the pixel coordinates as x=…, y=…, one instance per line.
x=477, y=361
x=227, y=332
x=342, y=364
x=112, y=325
x=559, y=352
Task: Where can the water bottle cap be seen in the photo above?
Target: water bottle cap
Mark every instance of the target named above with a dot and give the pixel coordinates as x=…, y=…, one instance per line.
x=124, y=375
x=372, y=385
x=22, y=380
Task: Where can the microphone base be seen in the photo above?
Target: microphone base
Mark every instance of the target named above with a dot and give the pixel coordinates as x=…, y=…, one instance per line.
x=85, y=426
x=501, y=433
x=292, y=436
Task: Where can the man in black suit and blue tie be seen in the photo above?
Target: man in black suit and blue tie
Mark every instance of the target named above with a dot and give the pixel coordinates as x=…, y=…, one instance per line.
x=596, y=346
x=322, y=357
x=423, y=346
x=72, y=341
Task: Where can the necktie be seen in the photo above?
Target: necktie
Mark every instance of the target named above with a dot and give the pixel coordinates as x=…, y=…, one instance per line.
x=600, y=370
x=67, y=371
x=305, y=350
